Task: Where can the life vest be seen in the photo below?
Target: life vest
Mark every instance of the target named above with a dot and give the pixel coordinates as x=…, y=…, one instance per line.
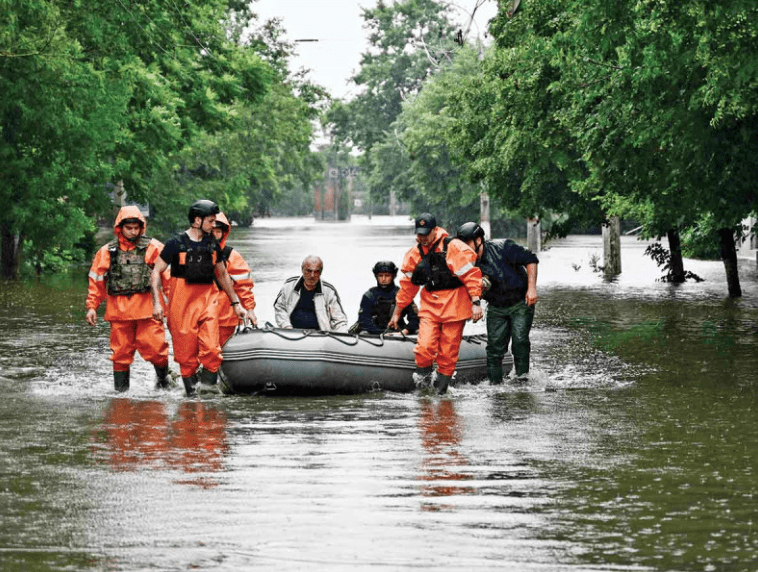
x=432, y=272
x=199, y=262
x=129, y=273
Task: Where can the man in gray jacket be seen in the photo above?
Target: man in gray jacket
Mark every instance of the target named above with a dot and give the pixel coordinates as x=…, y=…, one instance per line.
x=307, y=302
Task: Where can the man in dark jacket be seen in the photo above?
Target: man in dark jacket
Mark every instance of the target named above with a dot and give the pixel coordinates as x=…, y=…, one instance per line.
x=378, y=303
x=510, y=288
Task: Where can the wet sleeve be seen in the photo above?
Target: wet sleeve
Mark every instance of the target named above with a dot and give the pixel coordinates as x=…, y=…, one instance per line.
x=408, y=289
x=170, y=249
x=242, y=279
x=337, y=315
x=518, y=255
x=461, y=260
x=280, y=310
x=96, y=278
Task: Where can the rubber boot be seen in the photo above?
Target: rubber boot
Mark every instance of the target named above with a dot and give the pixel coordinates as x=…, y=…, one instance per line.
x=121, y=380
x=495, y=374
x=162, y=379
x=208, y=382
x=441, y=382
x=422, y=377
x=189, y=385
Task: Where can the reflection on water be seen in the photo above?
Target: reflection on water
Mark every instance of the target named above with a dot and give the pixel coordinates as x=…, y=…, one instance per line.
x=440, y=437
x=140, y=434
x=633, y=447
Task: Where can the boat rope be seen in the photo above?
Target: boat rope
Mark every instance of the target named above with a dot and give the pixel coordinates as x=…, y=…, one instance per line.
x=343, y=338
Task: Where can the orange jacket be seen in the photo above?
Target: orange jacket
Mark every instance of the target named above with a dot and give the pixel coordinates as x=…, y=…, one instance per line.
x=443, y=305
x=136, y=306
x=242, y=278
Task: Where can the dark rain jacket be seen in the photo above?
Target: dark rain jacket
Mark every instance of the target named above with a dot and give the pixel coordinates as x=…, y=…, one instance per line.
x=504, y=262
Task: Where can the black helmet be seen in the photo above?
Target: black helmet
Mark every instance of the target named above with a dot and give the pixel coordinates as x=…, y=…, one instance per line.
x=469, y=231
x=385, y=266
x=202, y=208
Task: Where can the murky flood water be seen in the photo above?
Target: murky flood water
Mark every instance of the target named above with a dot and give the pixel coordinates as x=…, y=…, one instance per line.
x=634, y=447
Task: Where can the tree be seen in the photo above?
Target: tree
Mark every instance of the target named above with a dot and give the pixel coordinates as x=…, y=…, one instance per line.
x=507, y=128
x=657, y=120
x=265, y=151
x=58, y=120
x=414, y=159
x=96, y=92
x=409, y=40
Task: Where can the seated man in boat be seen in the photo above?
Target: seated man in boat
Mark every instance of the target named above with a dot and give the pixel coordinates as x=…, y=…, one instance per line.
x=378, y=303
x=309, y=303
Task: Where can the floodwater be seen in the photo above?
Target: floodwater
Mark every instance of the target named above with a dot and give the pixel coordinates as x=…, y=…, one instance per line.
x=634, y=446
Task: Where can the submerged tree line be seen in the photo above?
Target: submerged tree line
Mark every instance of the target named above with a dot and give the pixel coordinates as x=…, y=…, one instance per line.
x=570, y=111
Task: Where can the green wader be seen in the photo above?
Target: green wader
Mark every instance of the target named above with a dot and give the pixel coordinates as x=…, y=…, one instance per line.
x=503, y=324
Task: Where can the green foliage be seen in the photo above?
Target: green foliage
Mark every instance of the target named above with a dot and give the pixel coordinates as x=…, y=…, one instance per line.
x=415, y=161
x=160, y=95
x=409, y=41
x=507, y=128
x=662, y=257
x=58, y=123
x=637, y=108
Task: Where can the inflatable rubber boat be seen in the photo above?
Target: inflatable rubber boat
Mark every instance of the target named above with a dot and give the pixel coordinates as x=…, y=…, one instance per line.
x=304, y=362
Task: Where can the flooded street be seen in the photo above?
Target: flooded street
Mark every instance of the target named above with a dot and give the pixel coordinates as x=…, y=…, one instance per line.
x=634, y=446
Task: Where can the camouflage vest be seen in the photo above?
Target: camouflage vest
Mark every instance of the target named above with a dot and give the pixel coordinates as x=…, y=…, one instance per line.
x=129, y=273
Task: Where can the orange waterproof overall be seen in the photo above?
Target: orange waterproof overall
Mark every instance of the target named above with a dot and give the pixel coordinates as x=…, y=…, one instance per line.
x=131, y=317
x=193, y=323
x=442, y=313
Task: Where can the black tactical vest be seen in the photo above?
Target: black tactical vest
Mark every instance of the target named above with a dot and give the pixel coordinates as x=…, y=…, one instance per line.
x=199, y=266
x=432, y=272
x=383, y=310
x=129, y=273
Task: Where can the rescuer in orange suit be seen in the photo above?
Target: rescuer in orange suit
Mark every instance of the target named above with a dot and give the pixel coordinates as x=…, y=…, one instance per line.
x=196, y=261
x=242, y=278
x=120, y=275
x=451, y=295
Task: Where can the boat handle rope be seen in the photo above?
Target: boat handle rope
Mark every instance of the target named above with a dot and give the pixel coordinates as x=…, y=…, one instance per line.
x=269, y=327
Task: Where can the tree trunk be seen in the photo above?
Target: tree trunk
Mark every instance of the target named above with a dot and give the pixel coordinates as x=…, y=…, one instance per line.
x=676, y=269
x=729, y=256
x=612, y=247
x=10, y=253
x=484, y=215
x=534, y=234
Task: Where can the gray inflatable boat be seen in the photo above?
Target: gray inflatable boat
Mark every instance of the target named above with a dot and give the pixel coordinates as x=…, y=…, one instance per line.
x=305, y=362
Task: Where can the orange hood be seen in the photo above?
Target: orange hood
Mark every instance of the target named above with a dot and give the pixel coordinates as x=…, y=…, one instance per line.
x=220, y=217
x=126, y=213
